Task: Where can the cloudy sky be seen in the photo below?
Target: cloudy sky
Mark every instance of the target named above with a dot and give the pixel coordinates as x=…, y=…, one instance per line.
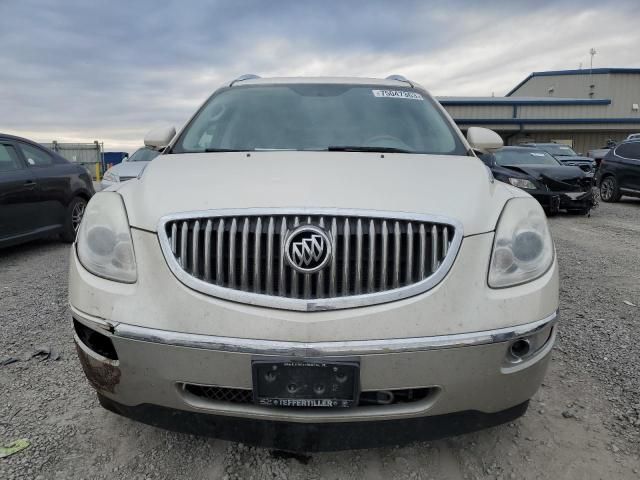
x=80, y=70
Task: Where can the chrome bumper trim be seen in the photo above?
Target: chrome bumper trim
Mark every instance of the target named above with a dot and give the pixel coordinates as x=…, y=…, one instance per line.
x=331, y=349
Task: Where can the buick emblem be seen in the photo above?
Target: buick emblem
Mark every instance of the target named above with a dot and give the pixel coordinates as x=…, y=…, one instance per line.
x=308, y=249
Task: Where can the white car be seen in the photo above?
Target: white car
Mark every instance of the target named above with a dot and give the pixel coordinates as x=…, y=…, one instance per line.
x=130, y=167
x=634, y=136
x=316, y=264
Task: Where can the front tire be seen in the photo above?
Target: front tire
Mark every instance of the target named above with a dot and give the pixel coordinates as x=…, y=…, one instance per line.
x=75, y=212
x=609, y=190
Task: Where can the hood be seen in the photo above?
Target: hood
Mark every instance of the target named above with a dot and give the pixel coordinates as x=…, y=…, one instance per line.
x=557, y=172
x=456, y=187
x=574, y=158
x=129, y=169
x=556, y=177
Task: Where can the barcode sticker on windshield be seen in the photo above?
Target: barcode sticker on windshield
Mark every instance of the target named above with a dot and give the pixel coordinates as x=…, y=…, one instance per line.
x=397, y=94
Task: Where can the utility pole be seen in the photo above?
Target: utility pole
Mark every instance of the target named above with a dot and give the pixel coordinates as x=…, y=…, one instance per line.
x=592, y=85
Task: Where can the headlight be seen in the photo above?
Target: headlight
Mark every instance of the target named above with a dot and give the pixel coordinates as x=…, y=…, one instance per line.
x=522, y=249
x=109, y=176
x=522, y=183
x=104, y=243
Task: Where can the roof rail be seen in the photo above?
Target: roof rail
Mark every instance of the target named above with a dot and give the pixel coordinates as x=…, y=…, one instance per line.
x=399, y=78
x=246, y=76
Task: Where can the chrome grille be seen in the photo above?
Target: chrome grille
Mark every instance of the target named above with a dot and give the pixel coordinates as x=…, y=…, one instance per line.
x=238, y=255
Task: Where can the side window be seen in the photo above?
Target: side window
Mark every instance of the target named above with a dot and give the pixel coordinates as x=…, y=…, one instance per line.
x=629, y=150
x=36, y=157
x=9, y=160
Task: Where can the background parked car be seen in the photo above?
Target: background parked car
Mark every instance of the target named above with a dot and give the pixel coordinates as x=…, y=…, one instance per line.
x=634, y=136
x=566, y=155
x=599, y=153
x=41, y=193
x=554, y=185
x=129, y=168
x=619, y=172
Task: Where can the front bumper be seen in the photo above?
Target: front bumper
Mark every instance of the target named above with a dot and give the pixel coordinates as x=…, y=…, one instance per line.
x=554, y=201
x=472, y=382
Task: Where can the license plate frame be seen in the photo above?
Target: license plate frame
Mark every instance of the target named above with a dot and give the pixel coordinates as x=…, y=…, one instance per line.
x=271, y=386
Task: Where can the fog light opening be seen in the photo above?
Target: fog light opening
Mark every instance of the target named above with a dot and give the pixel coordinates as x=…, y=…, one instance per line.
x=520, y=348
x=99, y=343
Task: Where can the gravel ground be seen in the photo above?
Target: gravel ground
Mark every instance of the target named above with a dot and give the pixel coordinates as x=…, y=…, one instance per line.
x=583, y=423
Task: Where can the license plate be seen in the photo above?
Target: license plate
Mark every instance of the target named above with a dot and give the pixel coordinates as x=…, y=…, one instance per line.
x=305, y=383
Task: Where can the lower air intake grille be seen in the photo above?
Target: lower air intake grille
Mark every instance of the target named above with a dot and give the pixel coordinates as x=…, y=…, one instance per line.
x=368, y=398
x=220, y=394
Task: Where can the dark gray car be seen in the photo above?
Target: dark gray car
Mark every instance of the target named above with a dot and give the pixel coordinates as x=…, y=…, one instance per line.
x=41, y=193
x=565, y=155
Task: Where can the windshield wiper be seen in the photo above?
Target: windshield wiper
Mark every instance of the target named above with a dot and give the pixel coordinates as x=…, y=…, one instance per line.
x=228, y=150
x=355, y=148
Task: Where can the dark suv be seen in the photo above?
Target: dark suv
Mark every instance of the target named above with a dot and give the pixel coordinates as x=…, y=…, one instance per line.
x=619, y=172
x=41, y=193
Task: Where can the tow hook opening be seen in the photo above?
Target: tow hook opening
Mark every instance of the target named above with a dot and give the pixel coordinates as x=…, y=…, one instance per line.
x=520, y=348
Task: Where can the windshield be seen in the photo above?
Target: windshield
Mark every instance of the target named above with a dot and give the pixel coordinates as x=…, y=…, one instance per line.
x=143, y=155
x=320, y=117
x=559, y=150
x=524, y=157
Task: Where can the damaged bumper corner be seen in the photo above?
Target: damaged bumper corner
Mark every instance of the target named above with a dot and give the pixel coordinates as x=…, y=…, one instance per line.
x=102, y=373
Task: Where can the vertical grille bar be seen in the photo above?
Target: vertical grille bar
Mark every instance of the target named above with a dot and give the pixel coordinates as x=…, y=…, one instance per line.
x=320, y=277
x=269, y=283
x=372, y=257
x=232, y=253
x=306, y=290
x=294, y=274
x=358, y=282
x=445, y=242
x=184, y=232
x=396, y=255
x=174, y=238
x=281, y=272
x=219, y=254
x=423, y=253
x=434, y=248
x=334, y=249
x=409, y=267
x=244, y=256
x=257, y=257
x=346, y=260
x=195, y=248
x=385, y=252
x=208, y=229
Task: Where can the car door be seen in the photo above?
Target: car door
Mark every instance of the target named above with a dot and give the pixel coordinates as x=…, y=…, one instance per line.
x=19, y=198
x=53, y=181
x=628, y=156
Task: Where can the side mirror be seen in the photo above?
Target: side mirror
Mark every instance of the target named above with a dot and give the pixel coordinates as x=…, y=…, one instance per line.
x=483, y=139
x=159, y=138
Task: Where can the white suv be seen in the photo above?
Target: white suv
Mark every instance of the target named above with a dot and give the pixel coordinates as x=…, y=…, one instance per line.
x=316, y=264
